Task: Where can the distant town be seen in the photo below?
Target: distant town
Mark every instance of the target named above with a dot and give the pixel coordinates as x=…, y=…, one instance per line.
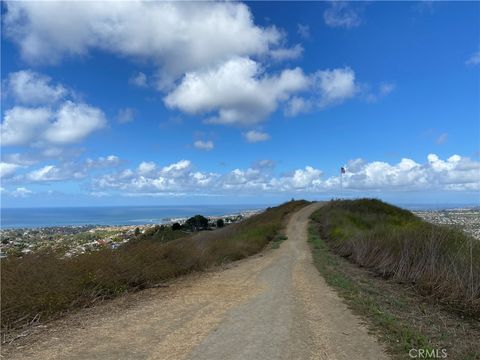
x=466, y=219
x=74, y=240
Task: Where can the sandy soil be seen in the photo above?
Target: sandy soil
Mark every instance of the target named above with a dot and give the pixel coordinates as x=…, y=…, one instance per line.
x=273, y=305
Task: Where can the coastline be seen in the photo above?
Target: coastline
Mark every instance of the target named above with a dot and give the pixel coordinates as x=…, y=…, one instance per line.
x=59, y=217
x=77, y=239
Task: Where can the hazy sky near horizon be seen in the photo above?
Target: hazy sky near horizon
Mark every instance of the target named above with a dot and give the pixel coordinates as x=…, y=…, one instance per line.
x=117, y=103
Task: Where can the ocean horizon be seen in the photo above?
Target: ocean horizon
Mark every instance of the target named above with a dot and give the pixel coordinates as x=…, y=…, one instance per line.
x=140, y=215
x=111, y=215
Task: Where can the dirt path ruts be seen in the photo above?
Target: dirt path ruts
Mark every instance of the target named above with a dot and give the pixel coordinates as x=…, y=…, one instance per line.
x=270, y=306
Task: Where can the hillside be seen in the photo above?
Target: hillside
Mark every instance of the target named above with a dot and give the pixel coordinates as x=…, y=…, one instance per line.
x=416, y=283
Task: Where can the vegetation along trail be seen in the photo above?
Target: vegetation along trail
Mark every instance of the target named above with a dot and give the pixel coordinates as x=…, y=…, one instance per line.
x=273, y=305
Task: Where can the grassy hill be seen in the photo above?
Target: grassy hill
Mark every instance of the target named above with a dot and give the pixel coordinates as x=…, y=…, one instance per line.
x=439, y=261
x=416, y=284
x=42, y=285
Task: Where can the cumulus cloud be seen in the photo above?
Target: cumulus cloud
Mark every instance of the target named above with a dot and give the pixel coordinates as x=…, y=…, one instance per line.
x=335, y=85
x=474, y=59
x=238, y=92
x=453, y=174
x=69, y=124
x=208, y=55
x=146, y=167
x=179, y=37
x=74, y=122
x=203, y=145
x=436, y=174
x=172, y=178
x=254, y=136
x=328, y=87
x=28, y=87
x=341, y=14
x=47, y=120
x=7, y=169
x=22, y=125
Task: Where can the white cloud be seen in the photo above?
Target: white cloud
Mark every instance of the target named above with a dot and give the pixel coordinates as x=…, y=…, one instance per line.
x=208, y=54
x=341, y=14
x=254, y=136
x=46, y=121
x=22, y=125
x=29, y=87
x=139, y=79
x=21, y=192
x=74, y=122
x=474, y=59
x=71, y=170
x=204, y=145
x=287, y=53
x=178, y=167
x=179, y=37
x=7, y=169
x=297, y=105
x=436, y=174
x=146, y=167
x=453, y=174
x=335, y=85
x=126, y=115
x=46, y=173
x=237, y=91
x=169, y=179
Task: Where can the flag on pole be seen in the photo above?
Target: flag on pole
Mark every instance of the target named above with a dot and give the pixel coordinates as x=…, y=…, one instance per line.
x=342, y=170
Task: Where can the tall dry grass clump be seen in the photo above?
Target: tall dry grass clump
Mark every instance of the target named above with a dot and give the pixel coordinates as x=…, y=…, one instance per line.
x=441, y=262
x=41, y=286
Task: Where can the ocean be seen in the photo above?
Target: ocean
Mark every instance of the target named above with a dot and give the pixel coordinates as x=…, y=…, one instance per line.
x=114, y=215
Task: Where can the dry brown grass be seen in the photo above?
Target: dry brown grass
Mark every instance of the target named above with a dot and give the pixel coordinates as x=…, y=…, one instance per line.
x=442, y=263
x=41, y=286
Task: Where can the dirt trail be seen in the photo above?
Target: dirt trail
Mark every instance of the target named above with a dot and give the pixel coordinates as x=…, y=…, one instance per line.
x=270, y=306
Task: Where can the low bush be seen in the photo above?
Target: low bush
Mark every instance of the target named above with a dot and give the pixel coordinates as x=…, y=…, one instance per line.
x=439, y=261
x=43, y=285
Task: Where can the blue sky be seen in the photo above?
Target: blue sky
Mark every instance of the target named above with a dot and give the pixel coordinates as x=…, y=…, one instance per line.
x=183, y=103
